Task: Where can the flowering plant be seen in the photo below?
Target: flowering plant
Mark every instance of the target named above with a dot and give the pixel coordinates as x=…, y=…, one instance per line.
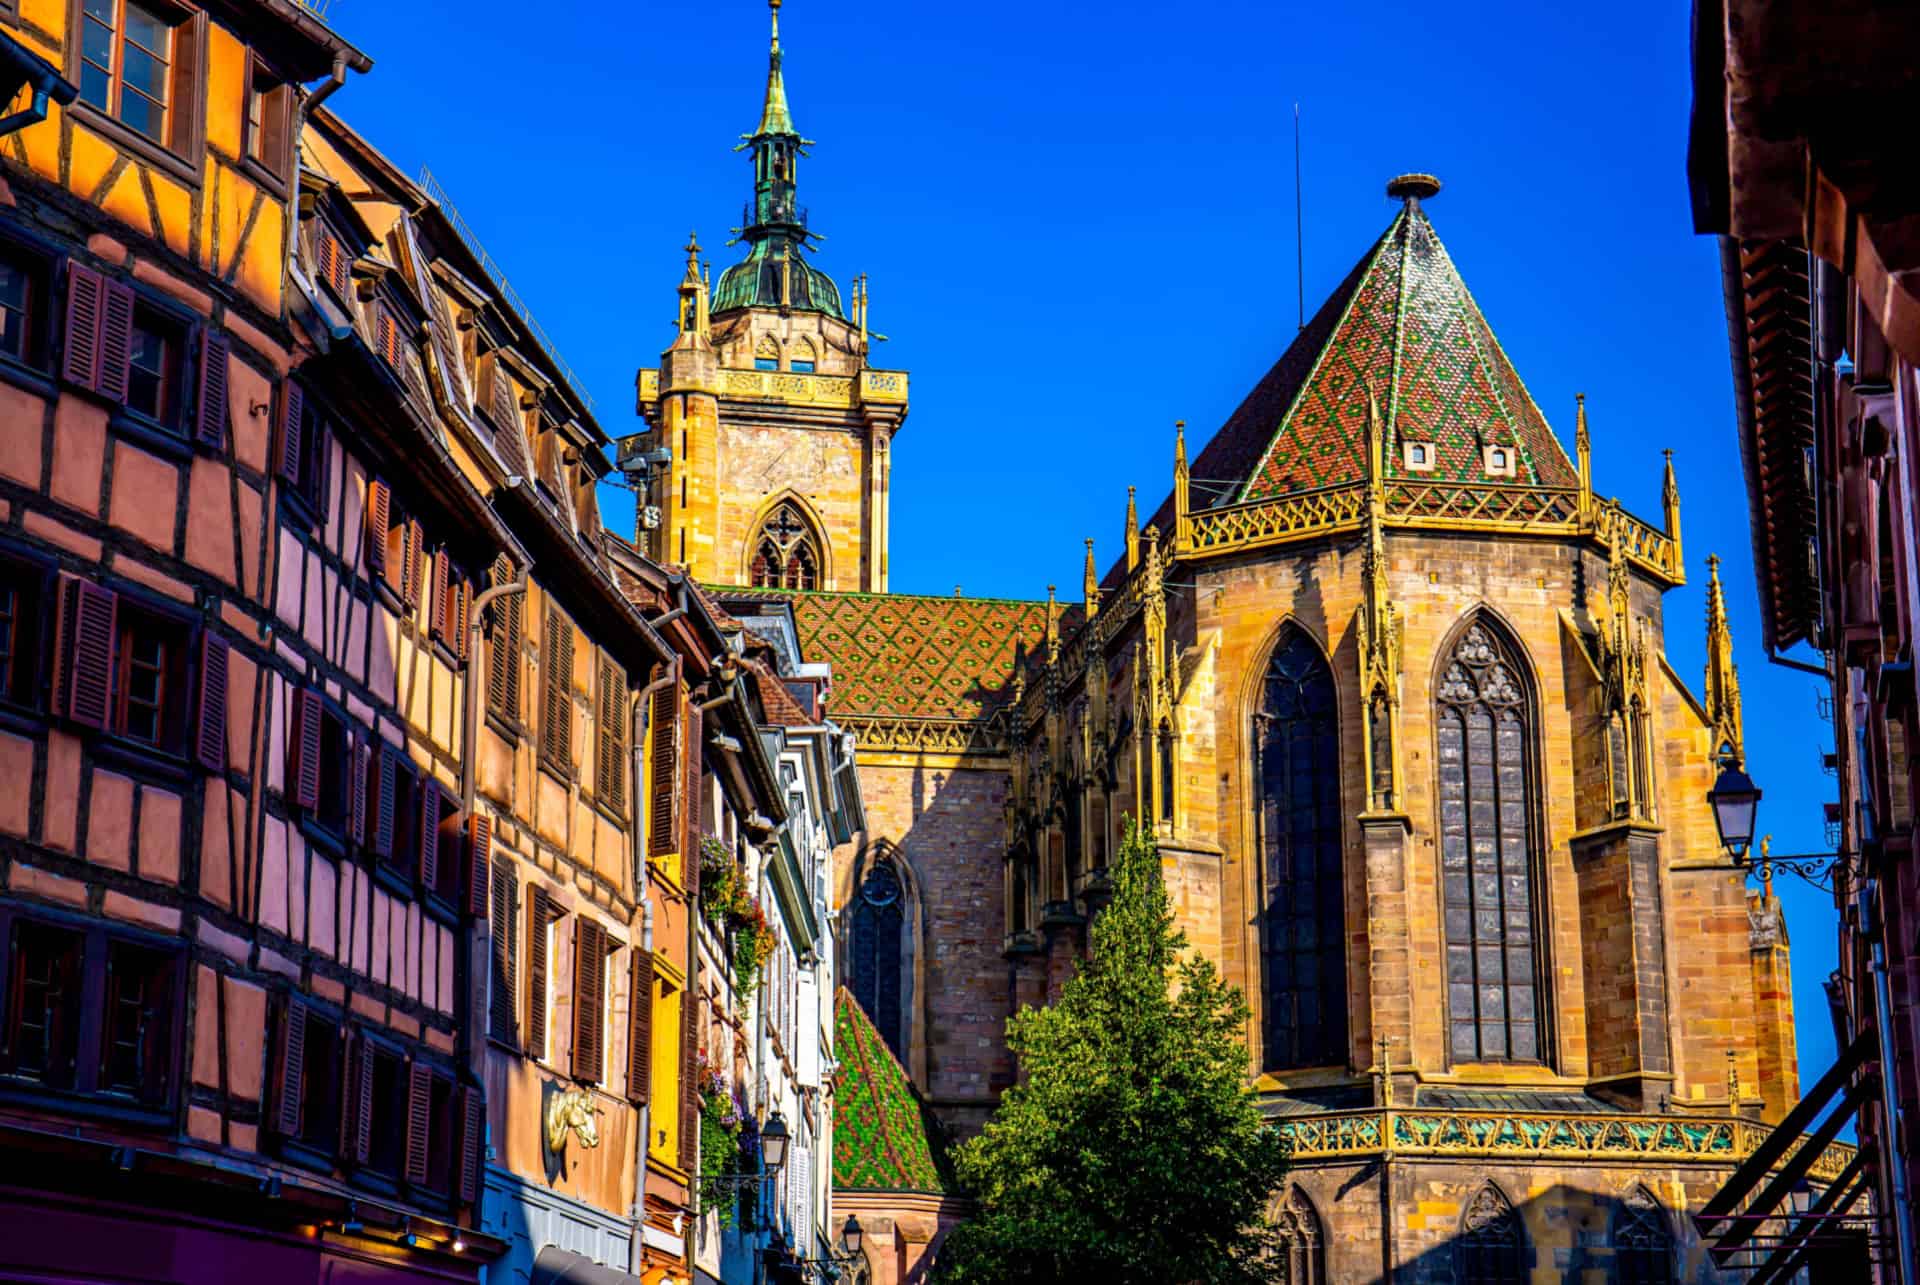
x=753, y=946
x=721, y=1122
x=723, y=886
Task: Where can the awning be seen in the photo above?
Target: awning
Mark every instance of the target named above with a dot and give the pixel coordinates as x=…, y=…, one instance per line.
x=556, y=1266
x=1727, y=1231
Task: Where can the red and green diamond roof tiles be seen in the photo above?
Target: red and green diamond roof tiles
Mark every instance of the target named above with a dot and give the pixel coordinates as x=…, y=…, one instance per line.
x=882, y=1139
x=1404, y=326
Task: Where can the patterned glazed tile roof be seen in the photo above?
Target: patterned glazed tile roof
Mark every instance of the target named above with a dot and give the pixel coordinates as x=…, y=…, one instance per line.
x=1403, y=324
x=882, y=1138
x=908, y=656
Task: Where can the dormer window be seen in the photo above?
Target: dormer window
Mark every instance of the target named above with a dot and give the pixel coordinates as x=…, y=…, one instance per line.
x=1420, y=457
x=1499, y=461
x=268, y=141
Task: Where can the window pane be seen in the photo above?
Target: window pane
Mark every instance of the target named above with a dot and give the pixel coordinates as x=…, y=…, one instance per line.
x=95, y=85
x=145, y=28
x=139, y=112
x=145, y=72
x=96, y=44
x=16, y=293
x=147, y=381
x=43, y=1003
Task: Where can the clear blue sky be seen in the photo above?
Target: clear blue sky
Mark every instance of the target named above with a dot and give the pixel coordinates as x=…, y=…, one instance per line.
x=1079, y=223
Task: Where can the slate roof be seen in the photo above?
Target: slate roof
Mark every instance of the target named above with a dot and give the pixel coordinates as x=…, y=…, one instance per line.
x=1404, y=325
x=908, y=656
x=883, y=1138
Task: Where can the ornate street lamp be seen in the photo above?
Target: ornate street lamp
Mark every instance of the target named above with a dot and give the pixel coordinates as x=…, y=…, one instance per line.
x=773, y=1143
x=850, y=1237
x=1735, y=801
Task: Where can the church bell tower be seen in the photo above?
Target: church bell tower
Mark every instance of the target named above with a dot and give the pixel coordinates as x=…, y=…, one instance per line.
x=773, y=428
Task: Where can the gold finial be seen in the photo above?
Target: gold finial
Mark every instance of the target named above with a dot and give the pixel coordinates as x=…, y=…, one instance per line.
x=1180, y=442
x=1386, y=1069
x=1723, y=676
x=1133, y=533
x=1090, y=585
x=1670, y=498
x=1733, y=1080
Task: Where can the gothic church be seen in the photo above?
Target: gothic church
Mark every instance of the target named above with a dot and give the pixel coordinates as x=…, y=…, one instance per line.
x=1398, y=709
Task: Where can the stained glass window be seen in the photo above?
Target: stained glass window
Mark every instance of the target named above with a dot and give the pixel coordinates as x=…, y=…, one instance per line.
x=1491, y=1247
x=785, y=556
x=1486, y=857
x=1304, y=939
x=1642, y=1241
x=879, y=923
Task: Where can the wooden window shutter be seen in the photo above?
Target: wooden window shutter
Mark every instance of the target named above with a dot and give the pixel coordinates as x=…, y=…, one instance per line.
x=411, y=546
x=357, y=1136
x=419, y=1121
x=689, y=1090
x=504, y=934
x=539, y=913
x=303, y=750
x=442, y=587
x=86, y=302
x=611, y=771
x=479, y=853
x=379, y=520
x=293, y=414
x=589, y=998
x=461, y=618
x=385, y=805
x=211, y=421
x=83, y=652
x=427, y=797
x=331, y=260
x=663, y=804
x=690, y=801
x=556, y=722
x=503, y=651
x=289, y=1069
x=473, y=1125
x=640, y=1027
x=362, y=768
x=383, y=335
x=116, y=341
x=211, y=742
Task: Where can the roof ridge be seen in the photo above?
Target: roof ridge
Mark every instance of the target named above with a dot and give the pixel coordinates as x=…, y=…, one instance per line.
x=1400, y=320
x=1326, y=348
x=862, y=593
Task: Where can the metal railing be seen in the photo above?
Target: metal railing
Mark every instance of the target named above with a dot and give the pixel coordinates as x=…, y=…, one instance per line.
x=438, y=195
x=318, y=8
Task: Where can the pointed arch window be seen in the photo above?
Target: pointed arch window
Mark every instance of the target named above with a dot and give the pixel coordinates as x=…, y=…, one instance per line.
x=1301, y=1254
x=879, y=924
x=1303, y=950
x=1486, y=853
x=785, y=555
x=766, y=354
x=1642, y=1241
x=1492, y=1246
x=805, y=360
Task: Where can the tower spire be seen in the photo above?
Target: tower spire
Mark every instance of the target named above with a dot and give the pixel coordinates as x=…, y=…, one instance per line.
x=774, y=116
x=1723, y=676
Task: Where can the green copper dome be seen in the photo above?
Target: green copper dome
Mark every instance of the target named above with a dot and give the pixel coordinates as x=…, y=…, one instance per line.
x=756, y=281
x=775, y=273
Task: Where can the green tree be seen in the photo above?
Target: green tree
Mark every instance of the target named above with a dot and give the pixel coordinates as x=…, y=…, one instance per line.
x=1132, y=1151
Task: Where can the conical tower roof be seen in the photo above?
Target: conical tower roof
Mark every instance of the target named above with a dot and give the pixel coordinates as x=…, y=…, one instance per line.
x=1404, y=327
x=774, y=116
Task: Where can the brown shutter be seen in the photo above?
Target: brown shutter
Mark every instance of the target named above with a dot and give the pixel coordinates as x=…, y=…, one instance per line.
x=326, y=257
x=86, y=302
x=83, y=655
x=383, y=334
x=303, y=750
x=379, y=519
x=503, y=930
x=690, y=801
x=116, y=340
x=611, y=772
x=356, y=1117
x=411, y=548
x=589, y=994
x=362, y=767
x=663, y=804
x=689, y=1090
x=640, y=1028
x=427, y=796
x=293, y=413
x=212, y=739
x=462, y=618
x=419, y=1121
x=289, y=1069
x=479, y=862
x=211, y=421
x=384, y=803
x=556, y=720
x=473, y=1123
x=438, y=613
x=539, y=911
x=503, y=652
